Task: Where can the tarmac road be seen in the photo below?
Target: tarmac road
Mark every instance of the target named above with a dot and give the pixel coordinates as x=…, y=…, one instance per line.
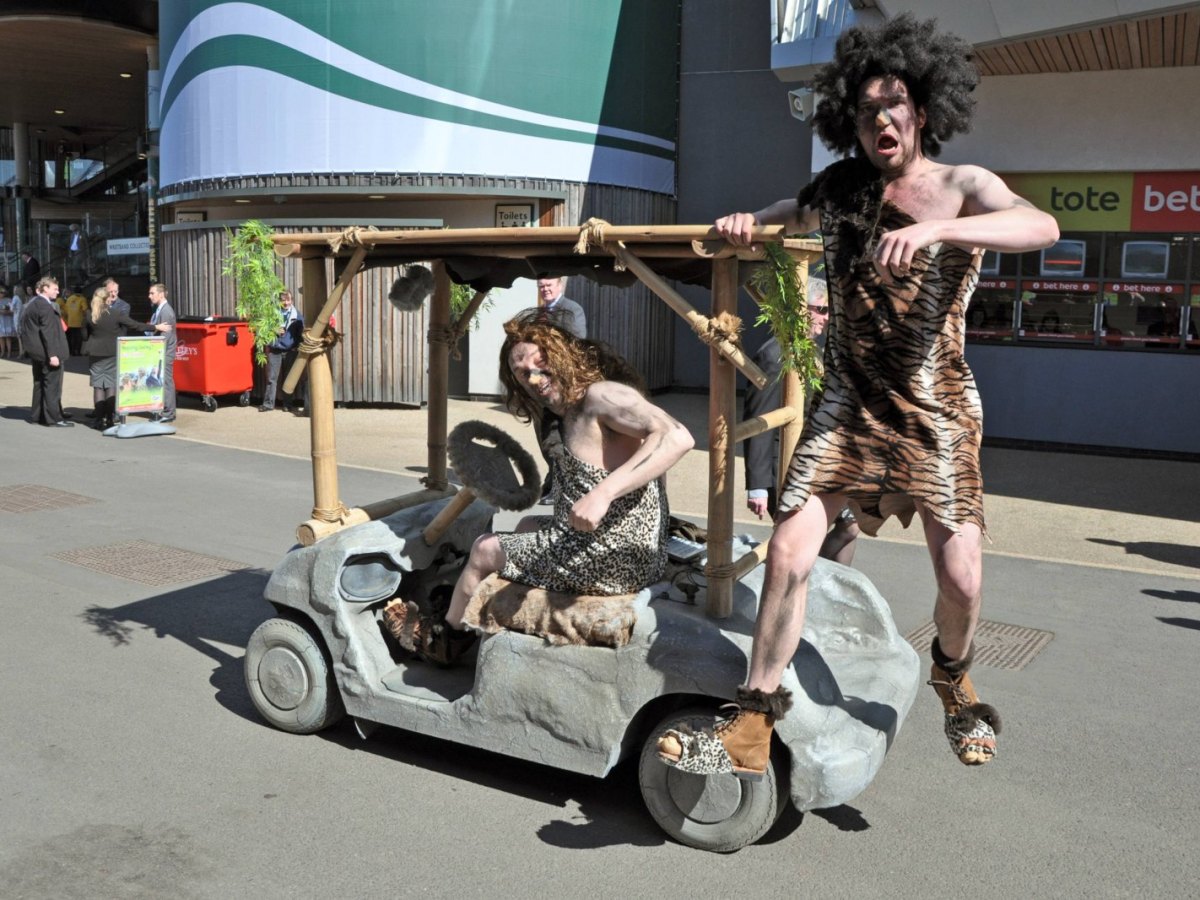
x=133, y=765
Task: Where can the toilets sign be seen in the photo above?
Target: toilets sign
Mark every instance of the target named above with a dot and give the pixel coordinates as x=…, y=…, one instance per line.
x=1115, y=201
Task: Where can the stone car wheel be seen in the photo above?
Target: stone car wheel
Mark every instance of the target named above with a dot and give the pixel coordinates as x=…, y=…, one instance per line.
x=719, y=812
x=289, y=681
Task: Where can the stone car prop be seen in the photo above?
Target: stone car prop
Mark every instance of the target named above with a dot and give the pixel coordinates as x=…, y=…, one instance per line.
x=684, y=646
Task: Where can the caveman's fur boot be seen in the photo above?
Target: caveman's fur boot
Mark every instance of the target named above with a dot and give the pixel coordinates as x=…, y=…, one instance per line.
x=739, y=744
x=426, y=636
x=971, y=726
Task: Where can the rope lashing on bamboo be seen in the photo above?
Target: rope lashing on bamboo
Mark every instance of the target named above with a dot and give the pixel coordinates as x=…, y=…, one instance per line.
x=311, y=346
x=714, y=330
x=591, y=236
x=727, y=570
x=337, y=513
x=351, y=237
x=448, y=336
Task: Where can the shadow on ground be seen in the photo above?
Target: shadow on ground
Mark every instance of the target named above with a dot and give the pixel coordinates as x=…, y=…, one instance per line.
x=1079, y=479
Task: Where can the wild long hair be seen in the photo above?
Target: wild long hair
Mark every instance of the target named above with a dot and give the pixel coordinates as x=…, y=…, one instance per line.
x=574, y=364
x=935, y=67
x=99, y=304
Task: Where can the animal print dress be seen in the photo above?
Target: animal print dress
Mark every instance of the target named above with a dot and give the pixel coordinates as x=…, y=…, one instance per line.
x=899, y=418
x=623, y=555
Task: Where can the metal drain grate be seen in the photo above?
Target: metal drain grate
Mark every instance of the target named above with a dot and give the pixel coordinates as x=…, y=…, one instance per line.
x=996, y=644
x=147, y=563
x=23, y=498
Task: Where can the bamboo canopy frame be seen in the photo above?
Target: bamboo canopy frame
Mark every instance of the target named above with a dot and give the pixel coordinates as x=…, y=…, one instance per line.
x=649, y=252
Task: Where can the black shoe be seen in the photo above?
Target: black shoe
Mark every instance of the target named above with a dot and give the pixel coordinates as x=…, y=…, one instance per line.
x=166, y=419
x=62, y=423
x=266, y=408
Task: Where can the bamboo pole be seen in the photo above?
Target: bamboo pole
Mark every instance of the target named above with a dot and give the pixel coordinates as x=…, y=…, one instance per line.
x=749, y=561
x=317, y=328
x=699, y=322
x=722, y=414
x=326, y=505
x=439, y=377
x=463, y=321
x=776, y=418
x=314, y=530
x=434, y=530
x=648, y=234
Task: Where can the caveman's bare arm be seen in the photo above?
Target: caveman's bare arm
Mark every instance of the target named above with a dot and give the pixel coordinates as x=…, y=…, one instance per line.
x=990, y=216
x=664, y=442
x=738, y=228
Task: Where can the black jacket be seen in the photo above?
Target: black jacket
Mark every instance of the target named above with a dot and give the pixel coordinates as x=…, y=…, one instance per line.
x=42, y=333
x=101, y=337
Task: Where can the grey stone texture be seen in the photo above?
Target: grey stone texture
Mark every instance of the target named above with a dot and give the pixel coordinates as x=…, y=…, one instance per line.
x=577, y=708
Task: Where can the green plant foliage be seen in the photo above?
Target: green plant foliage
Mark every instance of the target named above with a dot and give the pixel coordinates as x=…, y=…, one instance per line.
x=254, y=267
x=783, y=306
x=460, y=298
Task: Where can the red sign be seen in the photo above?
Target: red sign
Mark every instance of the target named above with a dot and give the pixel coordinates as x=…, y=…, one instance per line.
x=1136, y=287
x=1000, y=284
x=1165, y=201
x=1074, y=287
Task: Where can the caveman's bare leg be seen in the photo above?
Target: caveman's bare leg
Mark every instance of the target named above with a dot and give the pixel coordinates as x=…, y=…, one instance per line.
x=790, y=556
x=958, y=568
x=971, y=726
x=487, y=556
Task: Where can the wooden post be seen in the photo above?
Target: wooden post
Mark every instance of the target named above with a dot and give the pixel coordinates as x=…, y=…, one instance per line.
x=722, y=416
x=439, y=377
x=318, y=311
x=320, y=400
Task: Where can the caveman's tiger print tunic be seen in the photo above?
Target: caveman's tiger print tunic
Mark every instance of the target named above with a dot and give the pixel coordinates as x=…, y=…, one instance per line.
x=899, y=418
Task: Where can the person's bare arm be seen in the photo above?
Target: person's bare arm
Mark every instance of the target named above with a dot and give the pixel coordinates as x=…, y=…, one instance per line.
x=738, y=228
x=992, y=218
x=664, y=442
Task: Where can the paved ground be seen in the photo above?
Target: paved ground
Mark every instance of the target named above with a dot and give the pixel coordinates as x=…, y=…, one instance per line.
x=132, y=764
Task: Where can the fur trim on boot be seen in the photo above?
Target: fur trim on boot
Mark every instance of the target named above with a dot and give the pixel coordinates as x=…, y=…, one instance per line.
x=739, y=744
x=775, y=704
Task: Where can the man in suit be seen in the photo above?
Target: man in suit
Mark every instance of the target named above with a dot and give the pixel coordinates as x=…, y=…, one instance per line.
x=762, y=451
x=568, y=315
x=287, y=341
x=118, y=306
x=563, y=312
x=31, y=269
x=165, y=315
x=45, y=341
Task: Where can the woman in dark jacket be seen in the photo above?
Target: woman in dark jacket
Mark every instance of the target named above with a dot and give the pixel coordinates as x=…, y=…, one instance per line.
x=101, y=328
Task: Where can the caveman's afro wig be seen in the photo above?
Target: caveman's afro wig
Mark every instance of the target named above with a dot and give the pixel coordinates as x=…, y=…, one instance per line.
x=936, y=69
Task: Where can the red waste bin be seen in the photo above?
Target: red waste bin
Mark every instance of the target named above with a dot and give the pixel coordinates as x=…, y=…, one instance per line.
x=214, y=357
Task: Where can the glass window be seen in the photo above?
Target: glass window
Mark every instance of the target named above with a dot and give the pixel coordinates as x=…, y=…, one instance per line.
x=1146, y=257
x=990, y=313
x=1138, y=320
x=1075, y=255
x=1056, y=315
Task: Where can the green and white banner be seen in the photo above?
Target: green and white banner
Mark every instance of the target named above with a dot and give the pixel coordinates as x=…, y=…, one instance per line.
x=581, y=91
x=140, y=374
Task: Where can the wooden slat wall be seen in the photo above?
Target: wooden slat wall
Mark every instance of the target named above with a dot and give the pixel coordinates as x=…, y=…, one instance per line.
x=382, y=358
x=633, y=320
x=1158, y=41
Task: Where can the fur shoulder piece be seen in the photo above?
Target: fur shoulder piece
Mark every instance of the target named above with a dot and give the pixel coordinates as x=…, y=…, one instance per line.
x=849, y=194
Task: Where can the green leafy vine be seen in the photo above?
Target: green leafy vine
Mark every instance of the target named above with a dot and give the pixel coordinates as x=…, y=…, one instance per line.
x=254, y=267
x=461, y=296
x=782, y=305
